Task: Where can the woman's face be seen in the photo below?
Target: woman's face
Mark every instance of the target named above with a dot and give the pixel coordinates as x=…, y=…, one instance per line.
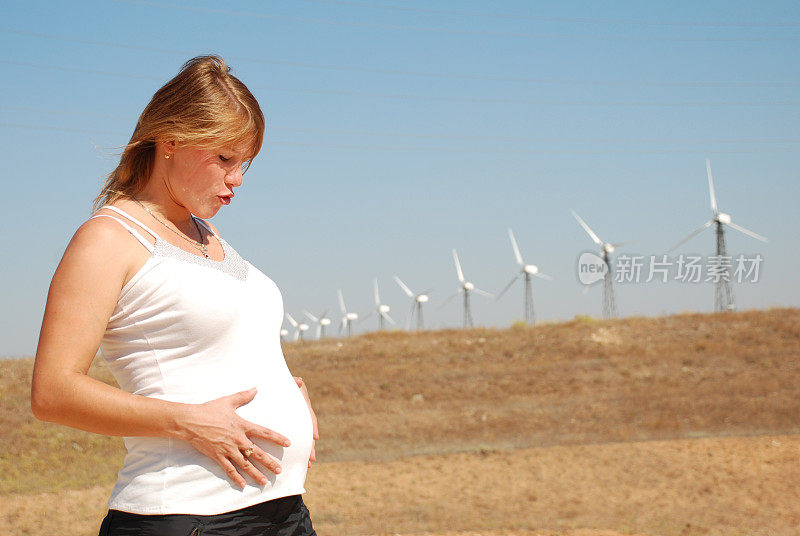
x=202, y=180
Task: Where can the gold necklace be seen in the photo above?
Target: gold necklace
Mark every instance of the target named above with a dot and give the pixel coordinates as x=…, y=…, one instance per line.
x=195, y=243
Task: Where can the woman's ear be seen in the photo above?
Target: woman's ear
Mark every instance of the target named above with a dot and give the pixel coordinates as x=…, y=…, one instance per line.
x=168, y=147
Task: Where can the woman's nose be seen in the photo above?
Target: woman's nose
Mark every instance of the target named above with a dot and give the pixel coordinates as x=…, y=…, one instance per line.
x=235, y=177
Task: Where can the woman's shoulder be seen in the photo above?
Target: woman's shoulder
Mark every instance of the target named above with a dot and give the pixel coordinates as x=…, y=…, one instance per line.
x=96, y=256
x=107, y=236
x=102, y=231
x=95, y=244
x=106, y=225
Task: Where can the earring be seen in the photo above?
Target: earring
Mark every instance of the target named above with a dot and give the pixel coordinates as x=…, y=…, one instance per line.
x=166, y=156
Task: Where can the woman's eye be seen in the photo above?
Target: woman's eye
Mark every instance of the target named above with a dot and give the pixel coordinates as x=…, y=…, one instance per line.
x=224, y=159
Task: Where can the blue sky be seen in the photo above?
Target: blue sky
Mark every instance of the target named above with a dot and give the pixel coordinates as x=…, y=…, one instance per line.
x=400, y=130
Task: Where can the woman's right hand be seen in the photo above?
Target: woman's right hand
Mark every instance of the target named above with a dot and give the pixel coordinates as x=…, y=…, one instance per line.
x=216, y=430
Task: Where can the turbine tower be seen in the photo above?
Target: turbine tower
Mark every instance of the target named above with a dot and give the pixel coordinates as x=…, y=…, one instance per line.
x=381, y=310
x=606, y=249
x=416, y=304
x=322, y=322
x=347, y=318
x=723, y=293
x=466, y=287
x=526, y=270
x=300, y=327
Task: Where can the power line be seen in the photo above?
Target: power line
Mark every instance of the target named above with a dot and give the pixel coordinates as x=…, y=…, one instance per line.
x=574, y=20
x=404, y=72
x=413, y=135
x=70, y=69
x=436, y=98
x=424, y=29
x=60, y=111
x=548, y=139
x=50, y=128
x=444, y=148
x=535, y=102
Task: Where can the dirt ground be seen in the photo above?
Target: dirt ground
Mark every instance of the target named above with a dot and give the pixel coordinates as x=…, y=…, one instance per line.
x=679, y=425
x=731, y=486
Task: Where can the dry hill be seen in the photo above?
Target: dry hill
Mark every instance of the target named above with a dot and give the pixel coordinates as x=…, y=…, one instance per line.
x=677, y=425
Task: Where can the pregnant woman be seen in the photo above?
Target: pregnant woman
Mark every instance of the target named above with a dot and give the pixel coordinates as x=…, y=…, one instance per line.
x=219, y=434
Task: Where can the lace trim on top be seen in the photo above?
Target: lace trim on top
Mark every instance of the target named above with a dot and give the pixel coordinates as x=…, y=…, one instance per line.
x=233, y=264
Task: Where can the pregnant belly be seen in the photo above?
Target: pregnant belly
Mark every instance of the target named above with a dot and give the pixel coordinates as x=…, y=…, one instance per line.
x=283, y=409
x=169, y=476
x=278, y=406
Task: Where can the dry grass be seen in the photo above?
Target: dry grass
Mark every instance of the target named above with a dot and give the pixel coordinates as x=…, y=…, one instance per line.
x=388, y=395
x=37, y=456
x=733, y=486
x=554, y=428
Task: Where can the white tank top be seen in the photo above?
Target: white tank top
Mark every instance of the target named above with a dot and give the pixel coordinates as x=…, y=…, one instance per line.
x=190, y=329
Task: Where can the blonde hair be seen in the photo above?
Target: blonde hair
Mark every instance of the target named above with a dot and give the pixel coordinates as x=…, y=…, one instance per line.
x=204, y=106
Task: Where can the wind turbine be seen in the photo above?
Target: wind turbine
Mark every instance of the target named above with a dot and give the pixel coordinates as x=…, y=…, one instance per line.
x=723, y=293
x=416, y=304
x=380, y=309
x=466, y=287
x=526, y=270
x=284, y=334
x=300, y=327
x=322, y=322
x=347, y=318
x=606, y=249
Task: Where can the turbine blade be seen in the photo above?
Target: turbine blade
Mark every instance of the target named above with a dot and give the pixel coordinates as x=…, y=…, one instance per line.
x=404, y=287
x=748, y=232
x=711, y=187
x=445, y=302
x=517, y=254
x=543, y=276
x=362, y=318
x=296, y=335
x=312, y=317
x=291, y=320
x=691, y=235
x=377, y=296
x=458, y=267
x=487, y=294
x=508, y=286
x=586, y=228
x=341, y=302
x=389, y=318
x=324, y=314
x=628, y=243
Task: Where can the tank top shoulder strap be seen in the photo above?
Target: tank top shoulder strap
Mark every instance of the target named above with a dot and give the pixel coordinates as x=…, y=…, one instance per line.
x=134, y=220
x=204, y=224
x=133, y=231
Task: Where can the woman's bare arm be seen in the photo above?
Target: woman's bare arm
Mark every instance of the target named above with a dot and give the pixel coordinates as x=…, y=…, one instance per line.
x=83, y=294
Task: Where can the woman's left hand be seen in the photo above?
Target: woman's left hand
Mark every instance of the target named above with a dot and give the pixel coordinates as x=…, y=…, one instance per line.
x=299, y=381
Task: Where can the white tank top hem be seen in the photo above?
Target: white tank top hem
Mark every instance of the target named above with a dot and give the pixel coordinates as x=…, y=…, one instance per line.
x=246, y=499
x=191, y=329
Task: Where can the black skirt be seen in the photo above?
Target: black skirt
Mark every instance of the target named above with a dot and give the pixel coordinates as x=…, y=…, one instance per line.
x=287, y=516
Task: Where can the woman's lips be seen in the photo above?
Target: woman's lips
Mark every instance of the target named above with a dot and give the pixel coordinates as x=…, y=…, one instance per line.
x=225, y=200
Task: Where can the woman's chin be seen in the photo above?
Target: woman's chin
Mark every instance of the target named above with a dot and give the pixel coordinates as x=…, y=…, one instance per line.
x=206, y=213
